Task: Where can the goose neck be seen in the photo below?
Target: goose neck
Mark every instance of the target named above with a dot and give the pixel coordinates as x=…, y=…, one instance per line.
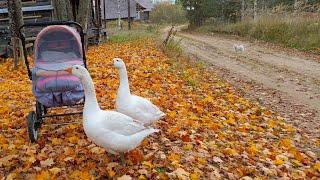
x=91, y=103
x=124, y=88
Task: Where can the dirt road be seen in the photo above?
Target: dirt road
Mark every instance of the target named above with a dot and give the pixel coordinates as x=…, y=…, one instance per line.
x=288, y=84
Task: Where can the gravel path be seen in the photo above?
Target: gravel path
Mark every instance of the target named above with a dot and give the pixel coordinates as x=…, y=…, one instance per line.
x=285, y=82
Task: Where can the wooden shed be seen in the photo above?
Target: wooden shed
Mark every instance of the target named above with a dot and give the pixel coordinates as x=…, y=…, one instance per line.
x=43, y=11
x=33, y=11
x=144, y=7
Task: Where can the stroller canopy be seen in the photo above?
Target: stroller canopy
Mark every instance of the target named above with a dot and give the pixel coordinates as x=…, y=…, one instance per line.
x=56, y=47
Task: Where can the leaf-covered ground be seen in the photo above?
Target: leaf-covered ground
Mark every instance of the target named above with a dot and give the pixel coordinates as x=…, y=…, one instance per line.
x=209, y=131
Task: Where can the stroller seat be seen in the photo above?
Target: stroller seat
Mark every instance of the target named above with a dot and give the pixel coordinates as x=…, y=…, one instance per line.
x=56, y=88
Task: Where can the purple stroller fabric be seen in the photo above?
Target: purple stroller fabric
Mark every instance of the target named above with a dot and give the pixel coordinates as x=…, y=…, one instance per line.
x=56, y=48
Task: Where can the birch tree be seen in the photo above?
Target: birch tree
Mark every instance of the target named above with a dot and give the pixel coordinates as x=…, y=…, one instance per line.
x=243, y=3
x=255, y=5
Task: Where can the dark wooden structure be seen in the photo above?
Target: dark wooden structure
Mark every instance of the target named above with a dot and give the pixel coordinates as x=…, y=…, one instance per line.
x=33, y=11
x=42, y=11
x=144, y=7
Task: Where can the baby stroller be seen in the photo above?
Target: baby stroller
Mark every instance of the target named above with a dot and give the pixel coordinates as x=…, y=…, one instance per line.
x=57, y=46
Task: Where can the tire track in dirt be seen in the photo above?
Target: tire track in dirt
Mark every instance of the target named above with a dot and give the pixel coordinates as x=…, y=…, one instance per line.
x=290, y=85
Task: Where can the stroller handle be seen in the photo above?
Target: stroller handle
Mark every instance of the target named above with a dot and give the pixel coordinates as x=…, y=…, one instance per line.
x=39, y=24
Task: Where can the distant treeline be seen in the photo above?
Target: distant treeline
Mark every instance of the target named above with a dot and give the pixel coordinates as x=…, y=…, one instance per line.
x=234, y=10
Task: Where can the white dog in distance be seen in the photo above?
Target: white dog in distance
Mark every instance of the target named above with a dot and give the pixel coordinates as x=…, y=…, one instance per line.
x=238, y=47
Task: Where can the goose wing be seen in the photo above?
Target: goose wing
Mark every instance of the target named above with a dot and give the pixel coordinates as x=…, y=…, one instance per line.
x=121, y=124
x=143, y=106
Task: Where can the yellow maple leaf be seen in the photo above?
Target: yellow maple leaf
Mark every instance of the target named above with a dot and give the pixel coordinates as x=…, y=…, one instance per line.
x=201, y=160
x=174, y=157
x=208, y=99
x=278, y=161
x=43, y=175
x=316, y=166
x=142, y=177
x=187, y=147
x=231, y=121
x=272, y=123
x=253, y=150
x=56, y=141
x=111, y=173
x=73, y=139
x=287, y=143
x=194, y=176
x=230, y=151
x=147, y=163
x=81, y=175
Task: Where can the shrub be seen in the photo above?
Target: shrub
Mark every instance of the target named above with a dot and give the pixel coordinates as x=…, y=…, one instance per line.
x=301, y=32
x=166, y=13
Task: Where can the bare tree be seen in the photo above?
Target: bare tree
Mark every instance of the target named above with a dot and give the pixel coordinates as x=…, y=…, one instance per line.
x=82, y=15
x=129, y=15
x=255, y=4
x=62, y=10
x=16, y=20
x=243, y=3
x=119, y=15
x=78, y=11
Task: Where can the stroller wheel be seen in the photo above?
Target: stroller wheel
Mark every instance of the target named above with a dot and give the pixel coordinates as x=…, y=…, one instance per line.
x=32, y=127
x=40, y=110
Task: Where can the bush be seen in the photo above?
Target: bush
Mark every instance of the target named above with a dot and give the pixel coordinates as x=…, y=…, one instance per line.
x=166, y=13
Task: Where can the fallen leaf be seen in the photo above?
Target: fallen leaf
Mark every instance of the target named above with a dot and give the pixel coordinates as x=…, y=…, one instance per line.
x=47, y=163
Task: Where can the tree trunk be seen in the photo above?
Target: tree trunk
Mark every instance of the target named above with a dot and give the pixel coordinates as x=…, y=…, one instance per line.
x=129, y=16
x=78, y=11
x=119, y=15
x=255, y=10
x=243, y=3
x=83, y=14
x=296, y=5
x=15, y=21
x=62, y=10
x=83, y=17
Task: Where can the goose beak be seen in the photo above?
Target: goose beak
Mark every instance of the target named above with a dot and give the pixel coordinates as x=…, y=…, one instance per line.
x=69, y=70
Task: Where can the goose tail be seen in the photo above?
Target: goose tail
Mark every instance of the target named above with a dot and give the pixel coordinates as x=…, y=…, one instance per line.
x=136, y=139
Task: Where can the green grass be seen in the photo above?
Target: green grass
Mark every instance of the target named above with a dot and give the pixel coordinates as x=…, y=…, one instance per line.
x=300, y=32
x=173, y=48
x=138, y=31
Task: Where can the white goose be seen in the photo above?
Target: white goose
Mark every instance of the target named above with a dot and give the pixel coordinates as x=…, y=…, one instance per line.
x=115, y=132
x=137, y=107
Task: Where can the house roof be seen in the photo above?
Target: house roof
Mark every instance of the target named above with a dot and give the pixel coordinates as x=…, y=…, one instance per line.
x=30, y=9
x=112, y=10
x=146, y=4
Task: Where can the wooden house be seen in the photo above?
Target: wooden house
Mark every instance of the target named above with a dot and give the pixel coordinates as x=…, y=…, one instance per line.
x=113, y=9
x=144, y=7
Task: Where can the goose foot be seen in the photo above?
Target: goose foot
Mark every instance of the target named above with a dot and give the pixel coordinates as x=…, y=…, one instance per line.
x=123, y=161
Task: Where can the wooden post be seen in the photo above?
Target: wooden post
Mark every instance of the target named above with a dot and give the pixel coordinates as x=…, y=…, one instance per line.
x=129, y=16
